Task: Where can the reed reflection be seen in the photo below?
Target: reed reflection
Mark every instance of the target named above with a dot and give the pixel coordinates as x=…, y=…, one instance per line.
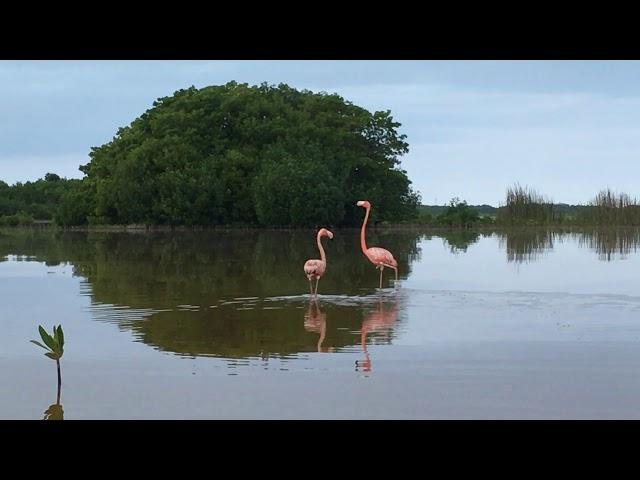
x=610, y=244
x=524, y=246
x=529, y=245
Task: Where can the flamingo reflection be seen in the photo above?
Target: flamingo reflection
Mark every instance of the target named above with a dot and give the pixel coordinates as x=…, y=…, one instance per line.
x=316, y=321
x=380, y=320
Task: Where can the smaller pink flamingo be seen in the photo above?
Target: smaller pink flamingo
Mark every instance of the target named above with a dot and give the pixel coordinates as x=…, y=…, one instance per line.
x=378, y=256
x=316, y=268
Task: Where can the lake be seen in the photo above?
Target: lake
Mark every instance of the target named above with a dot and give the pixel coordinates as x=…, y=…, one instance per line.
x=525, y=323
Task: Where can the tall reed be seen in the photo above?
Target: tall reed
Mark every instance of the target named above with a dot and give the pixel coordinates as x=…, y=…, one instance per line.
x=526, y=206
x=611, y=208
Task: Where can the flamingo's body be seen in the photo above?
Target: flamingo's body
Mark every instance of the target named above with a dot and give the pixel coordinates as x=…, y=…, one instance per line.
x=314, y=269
x=378, y=256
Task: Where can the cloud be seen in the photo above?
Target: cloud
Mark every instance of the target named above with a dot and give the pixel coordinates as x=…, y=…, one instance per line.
x=473, y=144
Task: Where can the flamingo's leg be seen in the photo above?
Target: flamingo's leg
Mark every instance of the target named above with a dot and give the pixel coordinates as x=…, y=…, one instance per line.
x=310, y=287
x=317, y=281
x=381, y=268
x=395, y=268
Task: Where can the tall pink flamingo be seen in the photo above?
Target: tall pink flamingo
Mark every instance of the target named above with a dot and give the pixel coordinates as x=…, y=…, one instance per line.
x=378, y=256
x=316, y=268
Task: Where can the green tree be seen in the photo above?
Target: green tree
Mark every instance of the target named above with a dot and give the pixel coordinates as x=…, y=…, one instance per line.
x=23, y=202
x=239, y=154
x=76, y=204
x=458, y=214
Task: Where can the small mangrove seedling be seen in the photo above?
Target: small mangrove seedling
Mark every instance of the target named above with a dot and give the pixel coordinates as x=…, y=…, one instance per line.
x=55, y=345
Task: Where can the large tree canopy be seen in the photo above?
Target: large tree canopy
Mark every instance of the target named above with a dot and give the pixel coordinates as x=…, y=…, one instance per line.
x=239, y=154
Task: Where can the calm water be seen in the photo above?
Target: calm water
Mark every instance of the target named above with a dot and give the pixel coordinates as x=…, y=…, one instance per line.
x=523, y=324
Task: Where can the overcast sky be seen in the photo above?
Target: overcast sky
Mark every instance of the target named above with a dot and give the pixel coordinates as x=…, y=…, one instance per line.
x=566, y=128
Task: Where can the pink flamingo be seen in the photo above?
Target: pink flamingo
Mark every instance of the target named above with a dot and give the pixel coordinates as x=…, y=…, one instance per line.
x=316, y=268
x=378, y=256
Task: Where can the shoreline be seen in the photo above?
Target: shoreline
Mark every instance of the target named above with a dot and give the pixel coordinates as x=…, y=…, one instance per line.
x=380, y=227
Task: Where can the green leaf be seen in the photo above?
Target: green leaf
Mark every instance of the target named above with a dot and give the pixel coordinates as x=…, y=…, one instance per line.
x=40, y=345
x=60, y=338
x=46, y=338
x=52, y=355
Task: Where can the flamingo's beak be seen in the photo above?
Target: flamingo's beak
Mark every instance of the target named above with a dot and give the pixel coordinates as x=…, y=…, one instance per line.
x=330, y=235
x=360, y=203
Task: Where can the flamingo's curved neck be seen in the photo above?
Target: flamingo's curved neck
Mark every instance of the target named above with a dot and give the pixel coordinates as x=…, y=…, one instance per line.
x=323, y=257
x=323, y=333
x=363, y=338
x=363, y=243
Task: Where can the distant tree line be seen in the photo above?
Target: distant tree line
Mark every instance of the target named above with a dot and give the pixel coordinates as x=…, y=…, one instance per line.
x=456, y=214
x=22, y=203
x=525, y=206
